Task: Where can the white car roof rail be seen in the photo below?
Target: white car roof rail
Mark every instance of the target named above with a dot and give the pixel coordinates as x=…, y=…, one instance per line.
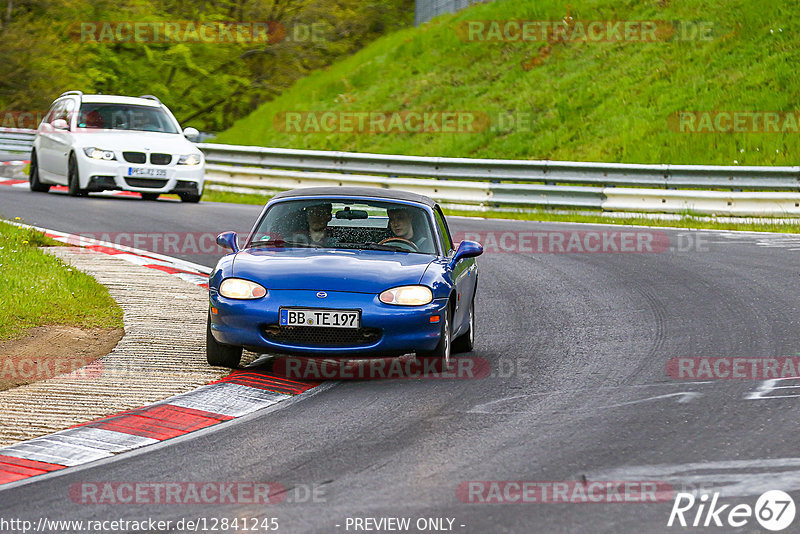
x=79, y=93
x=151, y=97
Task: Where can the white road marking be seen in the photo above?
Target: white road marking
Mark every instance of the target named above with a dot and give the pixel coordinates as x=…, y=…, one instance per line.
x=731, y=478
x=768, y=386
x=684, y=397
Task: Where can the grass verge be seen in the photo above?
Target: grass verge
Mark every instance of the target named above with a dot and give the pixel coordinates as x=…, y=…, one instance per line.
x=37, y=289
x=210, y=195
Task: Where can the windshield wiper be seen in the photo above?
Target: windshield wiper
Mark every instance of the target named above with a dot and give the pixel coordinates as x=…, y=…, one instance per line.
x=281, y=243
x=372, y=246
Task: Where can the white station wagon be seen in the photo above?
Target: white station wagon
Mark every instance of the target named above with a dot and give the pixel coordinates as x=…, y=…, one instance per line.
x=104, y=143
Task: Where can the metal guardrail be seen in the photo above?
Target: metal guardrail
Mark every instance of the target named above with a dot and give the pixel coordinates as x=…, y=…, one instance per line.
x=487, y=184
x=16, y=140
x=490, y=184
x=497, y=170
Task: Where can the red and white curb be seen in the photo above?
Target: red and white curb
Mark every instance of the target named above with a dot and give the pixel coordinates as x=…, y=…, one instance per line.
x=242, y=392
x=239, y=394
x=186, y=270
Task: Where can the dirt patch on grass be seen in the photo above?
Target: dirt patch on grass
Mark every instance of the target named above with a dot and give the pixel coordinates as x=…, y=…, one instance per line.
x=51, y=351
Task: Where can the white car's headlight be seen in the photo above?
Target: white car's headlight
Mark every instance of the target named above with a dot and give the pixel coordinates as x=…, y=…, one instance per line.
x=236, y=288
x=407, y=296
x=189, y=159
x=99, y=153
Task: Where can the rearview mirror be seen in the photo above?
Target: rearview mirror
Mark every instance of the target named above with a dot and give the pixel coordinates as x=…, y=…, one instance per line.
x=349, y=214
x=467, y=249
x=228, y=240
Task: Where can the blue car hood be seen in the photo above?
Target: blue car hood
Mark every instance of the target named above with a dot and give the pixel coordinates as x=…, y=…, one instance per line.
x=361, y=271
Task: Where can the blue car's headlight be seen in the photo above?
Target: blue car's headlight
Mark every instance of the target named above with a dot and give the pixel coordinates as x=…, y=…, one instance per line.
x=407, y=296
x=237, y=288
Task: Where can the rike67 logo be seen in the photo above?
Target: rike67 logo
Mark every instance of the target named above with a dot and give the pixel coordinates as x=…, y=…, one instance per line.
x=774, y=510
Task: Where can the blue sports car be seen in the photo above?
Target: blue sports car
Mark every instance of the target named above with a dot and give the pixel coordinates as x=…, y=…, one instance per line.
x=344, y=271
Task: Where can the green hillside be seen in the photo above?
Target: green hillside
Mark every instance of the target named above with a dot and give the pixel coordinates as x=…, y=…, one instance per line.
x=210, y=62
x=570, y=99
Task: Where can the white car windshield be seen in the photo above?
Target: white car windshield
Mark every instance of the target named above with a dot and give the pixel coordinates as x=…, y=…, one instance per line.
x=108, y=116
x=346, y=224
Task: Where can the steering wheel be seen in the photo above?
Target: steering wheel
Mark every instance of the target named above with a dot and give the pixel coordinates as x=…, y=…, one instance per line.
x=401, y=241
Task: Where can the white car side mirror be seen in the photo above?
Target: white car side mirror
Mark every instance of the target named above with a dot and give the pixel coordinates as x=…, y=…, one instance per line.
x=60, y=124
x=191, y=133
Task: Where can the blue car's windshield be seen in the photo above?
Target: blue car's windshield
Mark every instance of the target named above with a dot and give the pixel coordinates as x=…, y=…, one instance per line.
x=346, y=224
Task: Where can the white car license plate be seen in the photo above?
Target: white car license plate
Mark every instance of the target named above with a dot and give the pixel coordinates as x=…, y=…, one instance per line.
x=147, y=173
x=320, y=317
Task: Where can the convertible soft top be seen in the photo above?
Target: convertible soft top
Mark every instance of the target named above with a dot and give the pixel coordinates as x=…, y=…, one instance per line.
x=366, y=192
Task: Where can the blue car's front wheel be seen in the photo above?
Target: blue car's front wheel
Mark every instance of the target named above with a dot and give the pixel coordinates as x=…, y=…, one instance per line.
x=466, y=341
x=218, y=354
x=443, y=350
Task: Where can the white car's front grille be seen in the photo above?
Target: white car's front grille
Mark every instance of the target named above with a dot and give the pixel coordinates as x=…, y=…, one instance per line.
x=134, y=157
x=160, y=159
x=145, y=183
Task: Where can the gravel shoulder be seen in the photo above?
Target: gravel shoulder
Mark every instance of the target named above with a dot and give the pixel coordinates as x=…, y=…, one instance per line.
x=54, y=350
x=161, y=354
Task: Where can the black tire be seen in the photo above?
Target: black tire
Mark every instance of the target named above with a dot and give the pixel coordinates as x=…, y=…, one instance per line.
x=443, y=350
x=220, y=355
x=466, y=341
x=33, y=177
x=149, y=196
x=74, y=180
x=193, y=198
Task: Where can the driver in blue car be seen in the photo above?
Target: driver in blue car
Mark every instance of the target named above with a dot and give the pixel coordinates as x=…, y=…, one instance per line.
x=318, y=216
x=401, y=223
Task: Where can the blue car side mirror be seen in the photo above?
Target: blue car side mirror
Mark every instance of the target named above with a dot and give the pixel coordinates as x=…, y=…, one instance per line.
x=467, y=249
x=228, y=240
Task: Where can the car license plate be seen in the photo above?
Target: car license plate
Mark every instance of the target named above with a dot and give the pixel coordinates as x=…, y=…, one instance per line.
x=321, y=318
x=147, y=173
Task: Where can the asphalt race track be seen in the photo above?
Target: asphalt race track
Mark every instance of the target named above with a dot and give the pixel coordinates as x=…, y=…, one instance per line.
x=579, y=391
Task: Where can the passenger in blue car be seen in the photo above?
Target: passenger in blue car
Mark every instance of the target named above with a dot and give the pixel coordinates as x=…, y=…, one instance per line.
x=401, y=223
x=318, y=216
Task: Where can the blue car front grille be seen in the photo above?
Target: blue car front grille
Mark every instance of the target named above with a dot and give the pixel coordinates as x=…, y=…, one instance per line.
x=313, y=336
